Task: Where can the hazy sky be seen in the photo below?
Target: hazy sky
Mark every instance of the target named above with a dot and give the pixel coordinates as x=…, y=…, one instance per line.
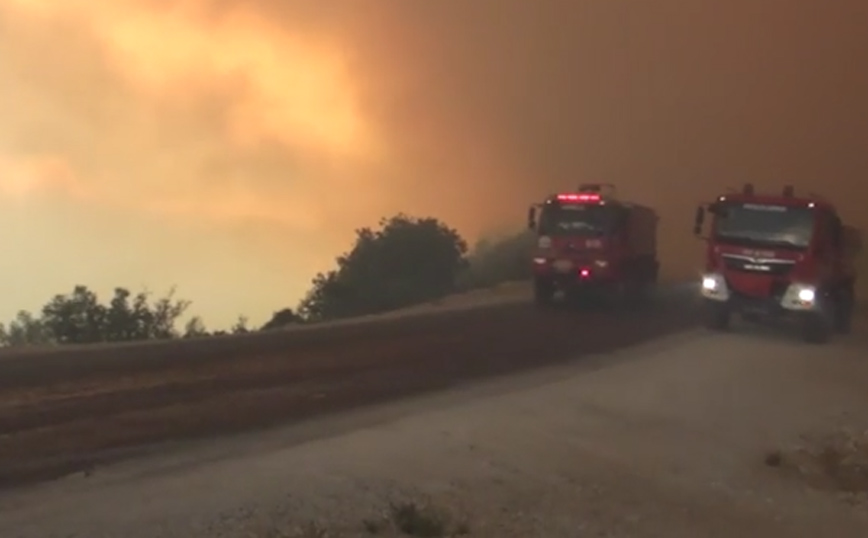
x=232, y=146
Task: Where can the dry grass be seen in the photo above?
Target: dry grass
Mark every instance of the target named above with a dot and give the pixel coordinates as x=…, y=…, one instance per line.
x=506, y=292
x=416, y=519
x=837, y=462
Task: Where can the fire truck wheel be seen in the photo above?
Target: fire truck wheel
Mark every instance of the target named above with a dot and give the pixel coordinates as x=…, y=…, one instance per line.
x=543, y=292
x=844, y=314
x=646, y=292
x=717, y=315
x=615, y=297
x=816, y=328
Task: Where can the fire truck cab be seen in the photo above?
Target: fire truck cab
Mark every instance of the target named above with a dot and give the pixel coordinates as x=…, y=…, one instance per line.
x=589, y=241
x=778, y=256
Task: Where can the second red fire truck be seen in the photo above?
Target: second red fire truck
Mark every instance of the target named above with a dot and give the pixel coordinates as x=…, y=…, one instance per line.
x=591, y=243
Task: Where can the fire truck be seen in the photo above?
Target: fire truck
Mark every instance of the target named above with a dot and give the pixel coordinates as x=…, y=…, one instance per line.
x=778, y=256
x=590, y=244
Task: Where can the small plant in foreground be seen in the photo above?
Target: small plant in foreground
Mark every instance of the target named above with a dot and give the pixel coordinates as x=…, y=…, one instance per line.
x=413, y=520
x=836, y=462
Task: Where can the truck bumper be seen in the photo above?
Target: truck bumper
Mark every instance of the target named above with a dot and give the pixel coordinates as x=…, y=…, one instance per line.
x=763, y=307
x=583, y=289
x=793, y=300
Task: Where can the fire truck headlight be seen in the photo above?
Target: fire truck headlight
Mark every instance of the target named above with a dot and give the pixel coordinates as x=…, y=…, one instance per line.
x=539, y=261
x=807, y=295
x=714, y=287
x=802, y=297
x=602, y=264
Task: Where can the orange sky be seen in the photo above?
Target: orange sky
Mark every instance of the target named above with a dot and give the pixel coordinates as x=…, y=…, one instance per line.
x=232, y=147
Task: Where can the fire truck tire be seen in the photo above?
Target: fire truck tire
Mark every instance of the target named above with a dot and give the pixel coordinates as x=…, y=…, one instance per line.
x=543, y=292
x=717, y=315
x=816, y=328
x=844, y=313
x=646, y=291
x=615, y=297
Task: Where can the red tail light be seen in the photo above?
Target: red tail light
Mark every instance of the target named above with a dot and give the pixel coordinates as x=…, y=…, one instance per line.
x=585, y=273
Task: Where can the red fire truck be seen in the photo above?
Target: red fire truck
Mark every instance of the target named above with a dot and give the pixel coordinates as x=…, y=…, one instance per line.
x=778, y=256
x=589, y=241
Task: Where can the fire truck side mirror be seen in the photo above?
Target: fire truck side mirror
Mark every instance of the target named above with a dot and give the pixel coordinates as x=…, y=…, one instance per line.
x=531, y=218
x=699, y=220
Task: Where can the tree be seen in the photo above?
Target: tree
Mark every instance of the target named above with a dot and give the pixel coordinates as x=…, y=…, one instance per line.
x=240, y=326
x=195, y=328
x=77, y=318
x=163, y=316
x=24, y=330
x=80, y=318
x=121, y=323
x=406, y=261
x=281, y=319
x=499, y=260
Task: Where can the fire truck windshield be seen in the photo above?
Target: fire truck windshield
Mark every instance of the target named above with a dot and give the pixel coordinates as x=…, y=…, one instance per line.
x=764, y=225
x=576, y=219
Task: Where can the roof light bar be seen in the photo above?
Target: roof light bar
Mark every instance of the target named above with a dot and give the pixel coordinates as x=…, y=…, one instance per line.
x=579, y=197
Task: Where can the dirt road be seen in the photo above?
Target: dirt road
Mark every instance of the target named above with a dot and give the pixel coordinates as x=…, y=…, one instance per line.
x=667, y=439
x=67, y=411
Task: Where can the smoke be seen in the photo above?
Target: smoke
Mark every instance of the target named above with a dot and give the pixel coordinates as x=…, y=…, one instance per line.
x=276, y=128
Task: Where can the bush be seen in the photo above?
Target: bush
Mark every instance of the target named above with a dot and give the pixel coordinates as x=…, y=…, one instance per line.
x=406, y=261
x=498, y=260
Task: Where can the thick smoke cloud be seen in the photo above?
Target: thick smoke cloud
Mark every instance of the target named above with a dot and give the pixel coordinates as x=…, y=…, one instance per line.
x=271, y=129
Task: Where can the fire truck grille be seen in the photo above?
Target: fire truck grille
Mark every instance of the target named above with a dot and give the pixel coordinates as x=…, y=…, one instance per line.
x=761, y=267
